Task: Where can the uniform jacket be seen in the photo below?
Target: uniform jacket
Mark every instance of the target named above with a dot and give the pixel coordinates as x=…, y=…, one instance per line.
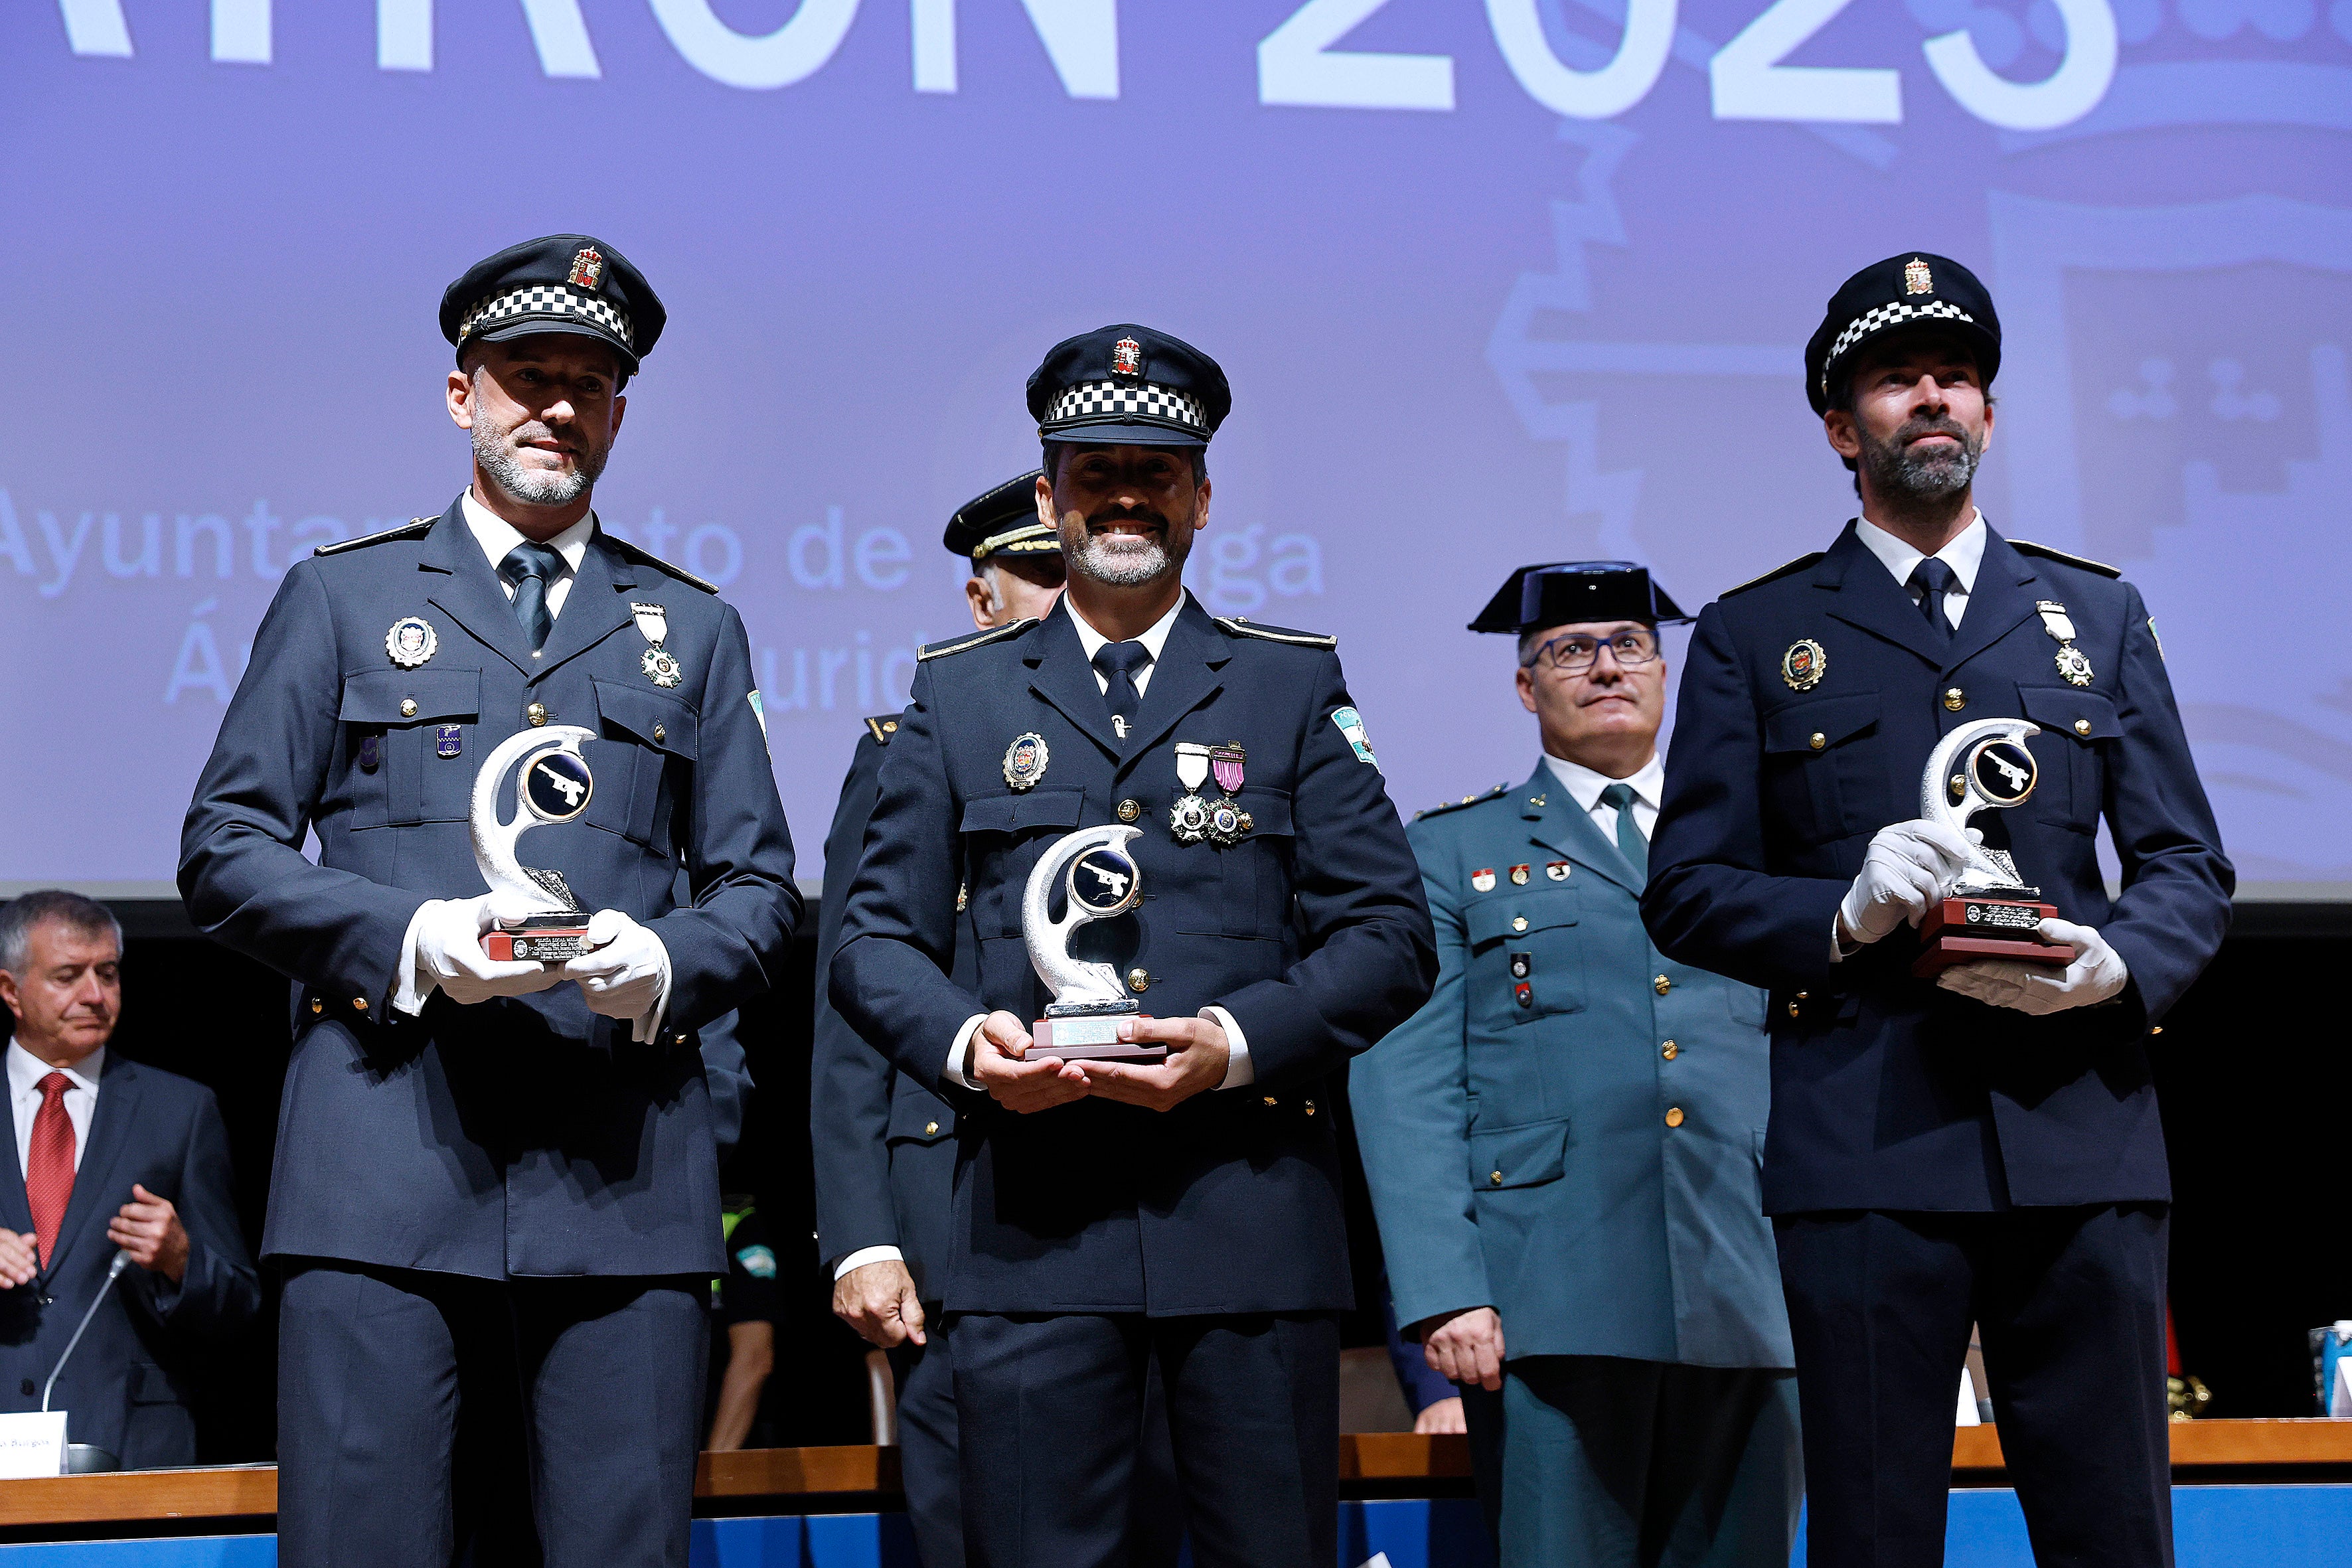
x=522, y=1135
x=127, y=1388
x=884, y=1143
x=1312, y=931
x=1889, y=1092
x=1516, y=1142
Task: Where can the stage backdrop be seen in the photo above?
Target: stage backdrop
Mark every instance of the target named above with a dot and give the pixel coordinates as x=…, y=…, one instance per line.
x=1495, y=284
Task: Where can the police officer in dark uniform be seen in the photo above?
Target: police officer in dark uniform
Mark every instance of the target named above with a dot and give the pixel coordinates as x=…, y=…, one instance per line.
x=1984, y=1146
x=884, y=1139
x=487, y=1163
x=1107, y=1213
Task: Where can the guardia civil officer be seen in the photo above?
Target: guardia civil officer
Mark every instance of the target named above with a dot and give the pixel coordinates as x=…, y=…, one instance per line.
x=481, y=1164
x=1109, y=1213
x=885, y=1139
x=1561, y=1145
x=1985, y=1146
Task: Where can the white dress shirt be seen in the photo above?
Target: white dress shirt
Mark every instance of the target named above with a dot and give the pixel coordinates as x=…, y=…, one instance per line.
x=497, y=538
x=26, y=1072
x=1963, y=555
x=1585, y=785
x=1153, y=639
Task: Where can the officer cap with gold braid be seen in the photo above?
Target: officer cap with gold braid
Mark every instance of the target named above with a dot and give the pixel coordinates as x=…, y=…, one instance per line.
x=1002, y=521
x=562, y=283
x=1903, y=293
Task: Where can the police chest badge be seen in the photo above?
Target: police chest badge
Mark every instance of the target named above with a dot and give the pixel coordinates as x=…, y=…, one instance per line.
x=2072, y=664
x=411, y=641
x=660, y=665
x=1025, y=760
x=1804, y=665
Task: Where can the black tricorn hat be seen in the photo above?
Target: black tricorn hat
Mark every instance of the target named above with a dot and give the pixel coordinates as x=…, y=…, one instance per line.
x=562, y=283
x=1002, y=521
x=1566, y=591
x=1901, y=294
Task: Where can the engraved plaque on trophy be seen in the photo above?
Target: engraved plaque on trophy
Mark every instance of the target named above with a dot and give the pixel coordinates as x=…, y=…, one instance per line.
x=1099, y=880
x=1988, y=911
x=553, y=787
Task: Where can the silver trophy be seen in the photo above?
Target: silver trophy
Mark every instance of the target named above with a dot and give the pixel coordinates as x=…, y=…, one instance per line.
x=553, y=786
x=1099, y=881
x=1988, y=911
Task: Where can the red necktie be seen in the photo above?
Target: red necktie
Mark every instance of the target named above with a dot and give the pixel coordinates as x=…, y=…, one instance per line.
x=50, y=1164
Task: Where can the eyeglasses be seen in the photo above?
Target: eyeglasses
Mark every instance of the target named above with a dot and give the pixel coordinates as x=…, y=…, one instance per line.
x=1573, y=653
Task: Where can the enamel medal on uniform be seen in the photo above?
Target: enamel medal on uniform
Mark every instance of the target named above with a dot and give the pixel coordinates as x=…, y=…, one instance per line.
x=1518, y=875
x=1188, y=818
x=411, y=641
x=2072, y=664
x=1483, y=879
x=660, y=665
x=1804, y=665
x=1227, y=821
x=1556, y=869
x=1025, y=760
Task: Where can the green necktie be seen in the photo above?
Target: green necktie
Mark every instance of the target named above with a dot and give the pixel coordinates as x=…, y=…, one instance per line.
x=1630, y=842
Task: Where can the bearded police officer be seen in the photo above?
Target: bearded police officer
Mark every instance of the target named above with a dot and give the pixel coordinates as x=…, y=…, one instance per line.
x=1984, y=1145
x=1562, y=1146
x=482, y=1164
x=1109, y=1211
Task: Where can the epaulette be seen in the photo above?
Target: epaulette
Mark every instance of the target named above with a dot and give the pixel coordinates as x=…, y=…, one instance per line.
x=882, y=726
x=647, y=558
x=977, y=639
x=1443, y=806
x=1774, y=575
x=1242, y=626
x=414, y=528
x=2027, y=547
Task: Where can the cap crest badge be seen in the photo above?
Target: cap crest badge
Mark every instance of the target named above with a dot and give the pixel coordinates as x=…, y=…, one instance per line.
x=1126, y=357
x=1917, y=279
x=588, y=269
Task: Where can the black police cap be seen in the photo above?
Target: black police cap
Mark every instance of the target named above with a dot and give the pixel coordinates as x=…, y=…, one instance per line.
x=1901, y=294
x=562, y=283
x=1003, y=521
x=1568, y=591
x=1129, y=385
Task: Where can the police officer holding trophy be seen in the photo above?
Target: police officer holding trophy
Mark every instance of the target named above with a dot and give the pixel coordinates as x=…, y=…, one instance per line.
x=1983, y=1145
x=486, y=1158
x=1561, y=1145
x=1264, y=922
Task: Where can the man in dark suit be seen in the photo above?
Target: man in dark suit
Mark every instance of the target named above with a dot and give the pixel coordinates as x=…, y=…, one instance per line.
x=1111, y=1212
x=1984, y=1145
x=485, y=1163
x=106, y=1156
x=885, y=1140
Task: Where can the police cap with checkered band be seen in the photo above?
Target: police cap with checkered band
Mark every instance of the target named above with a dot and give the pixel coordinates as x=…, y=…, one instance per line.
x=1129, y=385
x=562, y=283
x=1002, y=521
x=1903, y=293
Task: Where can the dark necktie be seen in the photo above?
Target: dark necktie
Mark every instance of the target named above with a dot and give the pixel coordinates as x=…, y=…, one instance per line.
x=530, y=568
x=50, y=1164
x=1119, y=662
x=1933, y=580
x=1630, y=842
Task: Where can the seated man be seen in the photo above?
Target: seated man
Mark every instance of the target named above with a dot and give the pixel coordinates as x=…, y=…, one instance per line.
x=106, y=1155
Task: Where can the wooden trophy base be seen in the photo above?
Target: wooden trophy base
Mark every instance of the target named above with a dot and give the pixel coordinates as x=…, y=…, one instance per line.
x=1961, y=930
x=1091, y=1037
x=541, y=939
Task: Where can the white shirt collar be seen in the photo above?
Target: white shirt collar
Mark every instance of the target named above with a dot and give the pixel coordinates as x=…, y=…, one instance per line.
x=1153, y=639
x=497, y=536
x=27, y=1070
x=1649, y=781
x=1963, y=554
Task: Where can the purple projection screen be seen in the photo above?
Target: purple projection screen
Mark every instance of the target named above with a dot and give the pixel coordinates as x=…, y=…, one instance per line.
x=1499, y=283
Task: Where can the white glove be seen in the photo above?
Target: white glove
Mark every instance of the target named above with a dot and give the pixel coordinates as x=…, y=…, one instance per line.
x=2097, y=973
x=445, y=949
x=1907, y=867
x=624, y=973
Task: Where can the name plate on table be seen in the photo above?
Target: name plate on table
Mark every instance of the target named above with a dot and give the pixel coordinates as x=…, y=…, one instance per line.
x=32, y=1443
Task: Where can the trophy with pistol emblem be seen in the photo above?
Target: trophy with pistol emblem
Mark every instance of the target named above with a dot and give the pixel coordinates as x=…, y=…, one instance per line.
x=1099, y=881
x=553, y=787
x=1989, y=912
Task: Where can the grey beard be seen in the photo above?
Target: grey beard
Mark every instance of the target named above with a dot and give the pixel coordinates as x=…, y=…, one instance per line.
x=1894, y=471
x=532, y=487
x=1119, y=567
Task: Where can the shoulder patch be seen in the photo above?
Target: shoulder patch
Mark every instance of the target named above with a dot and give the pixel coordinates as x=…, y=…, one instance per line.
x=647, y=558
x=1443, y=806
x=2027, y=547
x=1774, y=575
x=882, y=726
x=1242, y=626
x=977, y=639
x=414, y=528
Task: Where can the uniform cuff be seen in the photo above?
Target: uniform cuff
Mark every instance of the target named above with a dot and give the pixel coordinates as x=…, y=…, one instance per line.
x=1239, y=1073
x=959, y=1053
x=865, y=1254
x=410, y=986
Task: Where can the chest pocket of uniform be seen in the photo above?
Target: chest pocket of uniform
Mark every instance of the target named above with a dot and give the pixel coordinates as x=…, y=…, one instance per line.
x=1816, y=779
x=647, y=745
x=2072, y=768
x=395, y=718
x=1525, y=961
x=918, y=1118
x=1002, y=843
x=1256, y=871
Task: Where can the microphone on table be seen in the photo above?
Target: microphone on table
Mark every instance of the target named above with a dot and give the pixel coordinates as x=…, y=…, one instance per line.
x=113, y=1272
